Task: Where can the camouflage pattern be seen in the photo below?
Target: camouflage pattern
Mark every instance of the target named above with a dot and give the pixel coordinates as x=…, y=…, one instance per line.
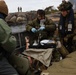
x=74, y=43
x=70, y=40
x=48, y=32
x=65, y=36
x=49, y=24
x=21, y=63
x=74, y=37
x=65, y=6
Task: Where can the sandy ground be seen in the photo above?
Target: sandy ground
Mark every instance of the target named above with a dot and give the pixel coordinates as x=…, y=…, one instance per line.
x=66, y=66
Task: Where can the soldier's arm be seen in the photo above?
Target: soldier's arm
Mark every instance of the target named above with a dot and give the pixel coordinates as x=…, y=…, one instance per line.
x=73, y=34
x=29, y=26
x=7, y=41
x=50, y=25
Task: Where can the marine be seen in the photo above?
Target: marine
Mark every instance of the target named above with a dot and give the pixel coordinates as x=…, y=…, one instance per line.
x=41, y=27
x=67, y=28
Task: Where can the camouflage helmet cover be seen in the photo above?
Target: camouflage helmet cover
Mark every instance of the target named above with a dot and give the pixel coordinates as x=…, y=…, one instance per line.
x=65, y=6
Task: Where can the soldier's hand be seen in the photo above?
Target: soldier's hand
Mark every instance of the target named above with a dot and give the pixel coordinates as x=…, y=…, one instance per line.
x=41, y=28
x=33, y=30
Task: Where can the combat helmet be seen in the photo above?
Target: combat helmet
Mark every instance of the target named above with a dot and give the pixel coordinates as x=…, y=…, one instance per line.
x=65, y=5
x=3, y=7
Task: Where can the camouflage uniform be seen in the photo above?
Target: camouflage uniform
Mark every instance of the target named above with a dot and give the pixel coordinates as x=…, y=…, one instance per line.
x=64, y=32
x=47, y=33
x=7, y=42
x=74, y=38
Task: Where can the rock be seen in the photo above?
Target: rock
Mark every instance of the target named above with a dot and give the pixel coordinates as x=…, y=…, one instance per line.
x=13, y=19
x=20, y=18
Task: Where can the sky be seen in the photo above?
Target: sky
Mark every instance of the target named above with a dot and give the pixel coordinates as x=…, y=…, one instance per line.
x=28, y=5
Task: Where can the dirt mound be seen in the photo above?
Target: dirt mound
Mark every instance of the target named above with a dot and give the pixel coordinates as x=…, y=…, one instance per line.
x=66, y=66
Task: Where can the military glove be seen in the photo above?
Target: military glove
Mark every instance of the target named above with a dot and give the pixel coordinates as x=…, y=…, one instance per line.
x=34, y=30
x=41, y=28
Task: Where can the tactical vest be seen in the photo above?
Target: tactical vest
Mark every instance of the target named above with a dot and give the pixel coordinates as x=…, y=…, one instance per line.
x=67, y=28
